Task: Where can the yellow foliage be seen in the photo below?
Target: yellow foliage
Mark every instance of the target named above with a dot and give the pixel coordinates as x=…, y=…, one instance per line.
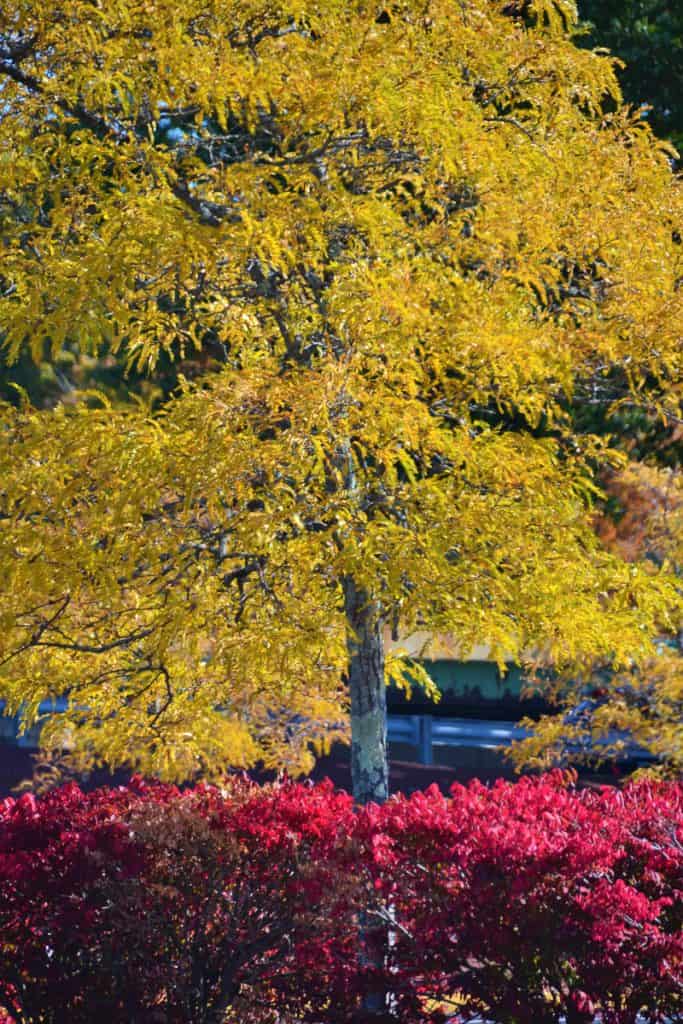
x=642, y=703
x=407, y=235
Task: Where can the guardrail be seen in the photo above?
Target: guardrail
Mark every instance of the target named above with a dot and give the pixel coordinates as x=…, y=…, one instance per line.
x=9, y=725
x=425, y=732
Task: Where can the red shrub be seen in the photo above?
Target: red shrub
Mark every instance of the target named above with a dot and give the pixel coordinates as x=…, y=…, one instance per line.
x=146, y=904
x=533, y=901
x=529, y=901
x=57, y=857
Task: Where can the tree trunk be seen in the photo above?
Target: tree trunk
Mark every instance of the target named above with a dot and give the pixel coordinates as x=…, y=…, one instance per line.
x=365, y=642
x=369, y=768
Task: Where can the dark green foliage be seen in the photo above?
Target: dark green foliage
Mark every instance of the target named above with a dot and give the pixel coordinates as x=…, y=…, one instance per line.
x=648, y=36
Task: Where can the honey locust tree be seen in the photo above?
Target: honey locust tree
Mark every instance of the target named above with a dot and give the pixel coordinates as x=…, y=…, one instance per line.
x=414, y=237
x=643, y=521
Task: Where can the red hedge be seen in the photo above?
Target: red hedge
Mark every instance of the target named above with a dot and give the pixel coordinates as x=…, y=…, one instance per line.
x=147, y=904
x=534, y=901
x=529, y=902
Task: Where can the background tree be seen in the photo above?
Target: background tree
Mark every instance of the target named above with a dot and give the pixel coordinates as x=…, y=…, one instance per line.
x=413, y=236
x=647, y=35
x=642, y=520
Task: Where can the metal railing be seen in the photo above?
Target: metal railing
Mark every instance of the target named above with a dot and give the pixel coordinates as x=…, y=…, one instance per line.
x=425, y=732
x=9, y=725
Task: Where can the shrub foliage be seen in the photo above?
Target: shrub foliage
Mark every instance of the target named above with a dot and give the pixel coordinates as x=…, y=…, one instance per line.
x=523, y=902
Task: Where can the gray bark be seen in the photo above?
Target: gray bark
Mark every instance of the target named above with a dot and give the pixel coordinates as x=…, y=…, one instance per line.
x=365, y=642
x=369, y=767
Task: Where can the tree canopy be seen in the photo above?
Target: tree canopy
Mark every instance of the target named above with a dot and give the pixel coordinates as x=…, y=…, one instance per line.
x=411, y=237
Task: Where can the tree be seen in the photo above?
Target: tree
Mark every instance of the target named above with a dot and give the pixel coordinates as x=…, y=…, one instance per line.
x=642, y=520
x=415, y=237
x=647, y=35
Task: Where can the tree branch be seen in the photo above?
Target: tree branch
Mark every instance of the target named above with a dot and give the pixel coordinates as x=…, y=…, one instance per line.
x=209, y=212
